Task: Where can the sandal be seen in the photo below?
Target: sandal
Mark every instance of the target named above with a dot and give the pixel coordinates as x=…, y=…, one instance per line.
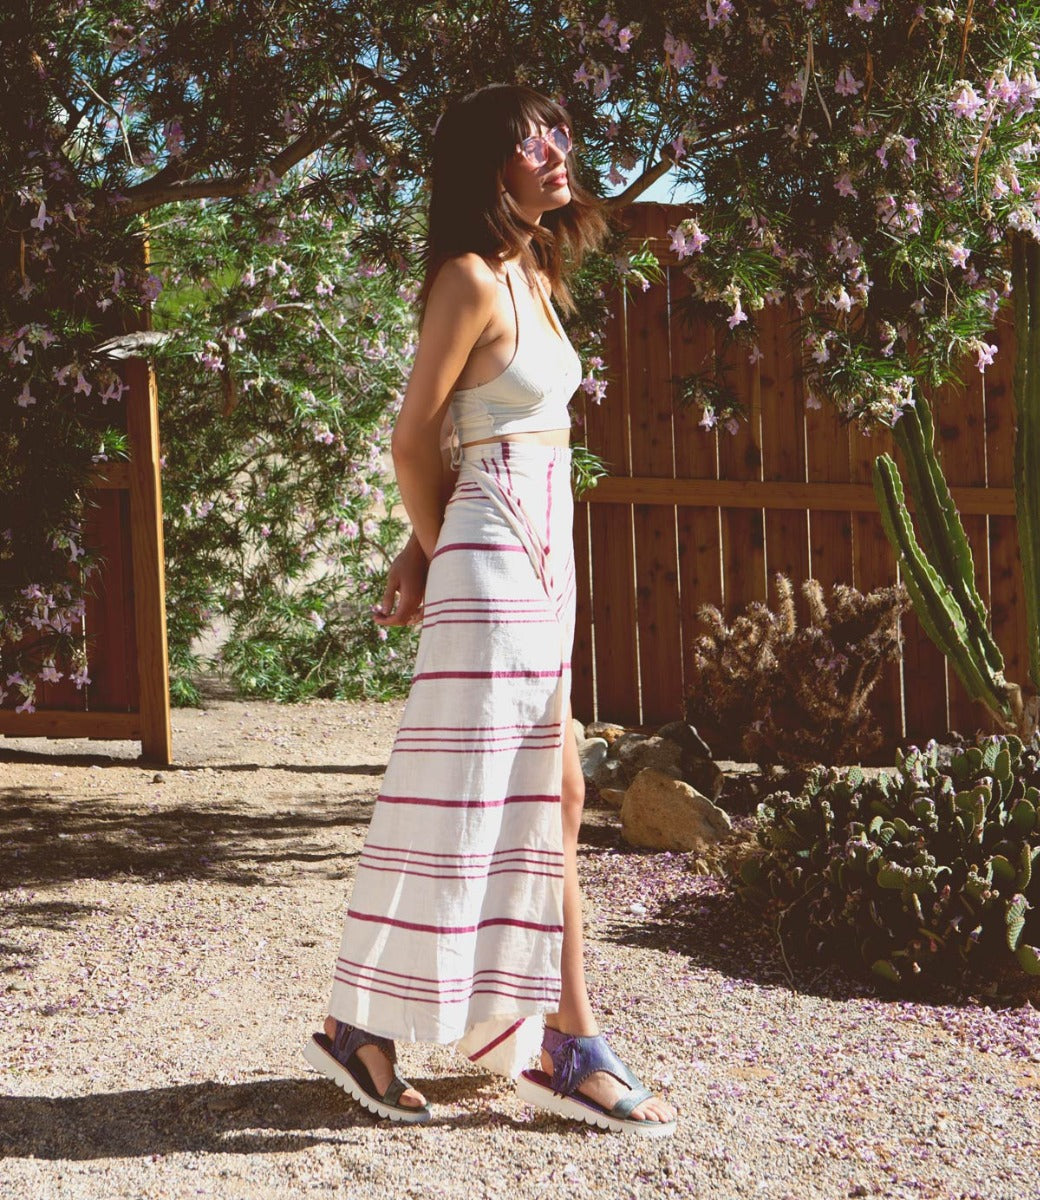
x=574, y=1060
x=337, y=1059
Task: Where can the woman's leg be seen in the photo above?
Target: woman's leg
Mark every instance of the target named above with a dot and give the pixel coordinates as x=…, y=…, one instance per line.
x=575, y=1012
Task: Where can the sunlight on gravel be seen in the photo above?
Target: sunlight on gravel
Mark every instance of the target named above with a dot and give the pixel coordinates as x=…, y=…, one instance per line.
x=166, y=940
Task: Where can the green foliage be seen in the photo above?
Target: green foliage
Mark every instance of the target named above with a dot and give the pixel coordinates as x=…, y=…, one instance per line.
x=282, y=357
x=768, y=690
x=923, y=876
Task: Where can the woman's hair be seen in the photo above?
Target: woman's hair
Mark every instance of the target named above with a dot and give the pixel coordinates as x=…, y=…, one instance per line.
x=470, y=210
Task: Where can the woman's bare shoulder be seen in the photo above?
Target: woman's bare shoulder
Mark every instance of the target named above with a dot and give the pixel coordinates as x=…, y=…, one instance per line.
x=466, y=277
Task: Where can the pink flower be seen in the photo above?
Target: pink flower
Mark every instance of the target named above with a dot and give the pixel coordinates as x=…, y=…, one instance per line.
x=967, y=102
x=41, y=220
x=81, y=385
x=847, y=84
x=714, y=78
x=678, y=51
x=986, y=354
x=866, y=10
x=736, y=316
x=24, y=397
x=843, y=184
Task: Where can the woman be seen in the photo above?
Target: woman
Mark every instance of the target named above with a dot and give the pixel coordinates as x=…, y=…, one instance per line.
x=465, y=921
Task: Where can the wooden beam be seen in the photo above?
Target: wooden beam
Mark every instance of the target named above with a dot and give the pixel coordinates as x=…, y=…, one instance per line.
x=777, y=494
x=101, y=726
x=146, y=539
x=111, y=475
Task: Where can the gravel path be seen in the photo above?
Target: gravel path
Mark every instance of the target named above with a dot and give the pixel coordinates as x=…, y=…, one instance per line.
x=165, y=948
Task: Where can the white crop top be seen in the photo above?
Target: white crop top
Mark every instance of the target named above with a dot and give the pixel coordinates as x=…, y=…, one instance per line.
x=533, y=390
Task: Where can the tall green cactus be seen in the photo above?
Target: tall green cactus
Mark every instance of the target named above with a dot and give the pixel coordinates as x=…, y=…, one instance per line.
x=941, y=581
x=1025, y=279
x=938, y=568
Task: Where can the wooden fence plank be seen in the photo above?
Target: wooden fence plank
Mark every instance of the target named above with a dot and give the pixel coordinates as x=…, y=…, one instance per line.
x=610, y=536
x=1007, y=604
x=657, y=571
x=783, y=442
x=960, y=434
x=740, y=457
x=776, y=494
x=583, y=688
x=696, y=461
x=874, y=566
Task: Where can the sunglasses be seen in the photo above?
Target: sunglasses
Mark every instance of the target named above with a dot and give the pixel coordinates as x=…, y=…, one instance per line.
x=536, y=148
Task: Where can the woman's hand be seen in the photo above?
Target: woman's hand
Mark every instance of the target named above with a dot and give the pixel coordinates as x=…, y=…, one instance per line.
x=406, y=581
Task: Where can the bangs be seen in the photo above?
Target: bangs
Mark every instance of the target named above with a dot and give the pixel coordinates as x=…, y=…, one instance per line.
x=532, y=108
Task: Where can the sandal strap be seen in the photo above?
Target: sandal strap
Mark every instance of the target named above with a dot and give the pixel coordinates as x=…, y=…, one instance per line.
x=349, y=1039
x=576, y=1058
x=395, y=1091
x=623, y=1109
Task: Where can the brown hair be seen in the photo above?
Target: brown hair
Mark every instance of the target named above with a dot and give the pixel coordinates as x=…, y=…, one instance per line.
x=469, y=209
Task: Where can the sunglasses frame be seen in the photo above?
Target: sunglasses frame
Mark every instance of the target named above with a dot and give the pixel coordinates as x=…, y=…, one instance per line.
x=542, y=140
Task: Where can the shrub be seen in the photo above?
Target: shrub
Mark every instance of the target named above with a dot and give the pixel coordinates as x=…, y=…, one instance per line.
x=923, y=875
x=768, y=690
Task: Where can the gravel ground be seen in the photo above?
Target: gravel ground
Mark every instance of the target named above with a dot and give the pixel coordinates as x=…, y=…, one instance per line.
x=165, y=948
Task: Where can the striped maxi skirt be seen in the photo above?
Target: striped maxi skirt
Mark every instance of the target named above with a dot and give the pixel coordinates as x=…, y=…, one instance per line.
x=454, y=929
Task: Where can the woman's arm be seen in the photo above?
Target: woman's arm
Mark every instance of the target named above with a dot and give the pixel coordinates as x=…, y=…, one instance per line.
x=459, y=306
x=406, y=578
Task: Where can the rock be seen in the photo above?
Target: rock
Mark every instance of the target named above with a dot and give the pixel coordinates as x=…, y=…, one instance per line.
x=592, y=754
x=628, y=738
x=604, y=729
x=637, y=755
x=663, y=813
x=706, y=776
x=579, y=732
x=614, y=797
x=609, y=775
x=693, y=745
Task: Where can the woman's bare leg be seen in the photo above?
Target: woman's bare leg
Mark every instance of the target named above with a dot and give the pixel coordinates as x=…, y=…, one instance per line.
x=575, y=1012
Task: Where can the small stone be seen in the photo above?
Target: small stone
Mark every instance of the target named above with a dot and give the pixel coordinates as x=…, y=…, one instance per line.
x=606, y=730
x=614, y=797
x=664, y=813
x=592, y=755
x=158, y=778
x=629, y=738
x=693, y=745
x=609, y=775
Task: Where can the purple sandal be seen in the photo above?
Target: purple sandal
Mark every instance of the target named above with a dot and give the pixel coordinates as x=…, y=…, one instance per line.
x=574, y=1060
x=337, y=1059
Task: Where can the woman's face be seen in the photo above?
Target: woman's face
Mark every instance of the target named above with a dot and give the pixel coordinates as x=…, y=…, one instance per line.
x=538, y=189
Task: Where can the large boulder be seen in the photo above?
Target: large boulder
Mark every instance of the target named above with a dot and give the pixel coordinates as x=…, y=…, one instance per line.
x=661, y=812
x=693, y=745
x=635, y=754
x=608, y=775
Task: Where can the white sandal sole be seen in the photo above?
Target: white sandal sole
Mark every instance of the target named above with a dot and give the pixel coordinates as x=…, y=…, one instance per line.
x=564, y=1106
x=325, y=1064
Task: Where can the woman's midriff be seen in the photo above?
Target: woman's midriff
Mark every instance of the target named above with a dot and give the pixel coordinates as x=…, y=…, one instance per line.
x=544, y=437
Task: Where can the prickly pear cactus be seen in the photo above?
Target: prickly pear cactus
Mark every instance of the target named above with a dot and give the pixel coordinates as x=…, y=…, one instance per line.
x=924, y=875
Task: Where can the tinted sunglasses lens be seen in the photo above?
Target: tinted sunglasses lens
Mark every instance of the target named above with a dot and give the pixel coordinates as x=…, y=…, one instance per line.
x=534, y=151
x=561, y=137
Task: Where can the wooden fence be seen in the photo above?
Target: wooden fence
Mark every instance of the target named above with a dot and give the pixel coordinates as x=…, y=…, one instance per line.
x=690, y=517
x=125, y=623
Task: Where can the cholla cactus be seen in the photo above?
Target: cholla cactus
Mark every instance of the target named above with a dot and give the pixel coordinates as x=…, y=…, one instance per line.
x=771, y=691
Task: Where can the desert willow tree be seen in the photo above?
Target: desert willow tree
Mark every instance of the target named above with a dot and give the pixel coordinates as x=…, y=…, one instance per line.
x=880, y=164
x=874, y=158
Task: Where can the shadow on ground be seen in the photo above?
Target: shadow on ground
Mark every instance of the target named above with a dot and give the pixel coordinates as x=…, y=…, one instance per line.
x=46, y=839
x=264, y=1117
